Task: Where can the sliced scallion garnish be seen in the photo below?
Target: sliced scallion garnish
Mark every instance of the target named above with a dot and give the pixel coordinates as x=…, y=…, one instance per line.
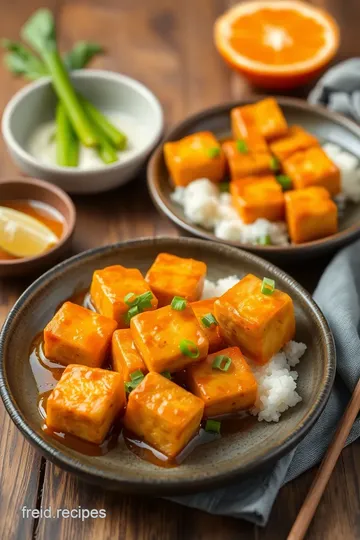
x=178, y=303
x=212, y=426
x=221, y=362
x=264, y=240
x=284, y=180
x=136, y=378
x=274, y=163
x=189, y=348
x=137, y=304
x=241, y=146
x=167, y=375
x=214, y=152
x=267, y=286
x=224, y=187
x=209, y=319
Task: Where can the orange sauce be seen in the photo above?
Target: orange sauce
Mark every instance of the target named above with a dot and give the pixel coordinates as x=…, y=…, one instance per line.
x=47, y=374
x=43, y=212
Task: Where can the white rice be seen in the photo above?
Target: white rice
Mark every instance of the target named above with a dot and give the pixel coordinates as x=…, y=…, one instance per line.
x=204, y=205
x=276, y=380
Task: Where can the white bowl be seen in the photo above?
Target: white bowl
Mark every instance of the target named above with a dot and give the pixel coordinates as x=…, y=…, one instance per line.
x=35, y=104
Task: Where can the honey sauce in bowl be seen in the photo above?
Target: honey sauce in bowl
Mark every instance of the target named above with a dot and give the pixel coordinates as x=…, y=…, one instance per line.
x=30, y=228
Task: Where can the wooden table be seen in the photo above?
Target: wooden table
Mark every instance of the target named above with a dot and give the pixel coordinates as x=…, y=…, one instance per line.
x=167, y=45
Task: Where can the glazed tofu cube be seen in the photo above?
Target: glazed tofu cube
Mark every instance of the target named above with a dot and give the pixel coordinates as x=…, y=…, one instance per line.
x=245, y=162
x=85, y=402
x=223, y=392
x=259, y=324
x=212, y=331
x=312, y=167
x=195, y=156
x=171, y=276
x=244, y=127
x=125, y=357
x=109, y=287
x=258, y=197
x=310, y=214
x=77, y=335
x=295, y=140
x=270, y=119
x=160, y=336
x=163, y=414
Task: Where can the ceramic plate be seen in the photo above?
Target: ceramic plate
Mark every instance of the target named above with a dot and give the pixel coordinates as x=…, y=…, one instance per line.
x=216, y=463
x=326, y=125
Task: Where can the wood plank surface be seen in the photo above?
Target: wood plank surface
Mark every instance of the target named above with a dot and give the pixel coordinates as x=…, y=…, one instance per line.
x=168, y=46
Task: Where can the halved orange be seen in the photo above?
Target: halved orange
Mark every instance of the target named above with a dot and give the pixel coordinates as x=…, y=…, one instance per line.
x=278, y=44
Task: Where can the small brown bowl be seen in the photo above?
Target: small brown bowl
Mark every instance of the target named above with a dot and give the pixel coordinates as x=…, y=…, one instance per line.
x=38, y=190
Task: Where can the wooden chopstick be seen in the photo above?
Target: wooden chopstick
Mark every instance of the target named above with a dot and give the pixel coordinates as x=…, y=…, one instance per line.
x=322, y=477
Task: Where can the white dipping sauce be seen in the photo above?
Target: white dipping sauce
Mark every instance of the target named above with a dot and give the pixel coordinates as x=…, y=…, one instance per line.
x=42, y=145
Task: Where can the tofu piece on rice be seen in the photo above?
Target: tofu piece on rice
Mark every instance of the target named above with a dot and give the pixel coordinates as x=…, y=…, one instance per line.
x=245, y=162
x=77, y=335
x=85, y=402
x=295, y=140
x=223, y=392
x=171, y=276
x=311, y=214
x=312, y=167
x=169, y=340
x=163, y=414
x=195, y=156
x=258, y=197
x=111, y=285
x=259, y=324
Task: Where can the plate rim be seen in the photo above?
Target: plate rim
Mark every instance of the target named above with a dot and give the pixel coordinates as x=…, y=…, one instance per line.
x=315, y=247
x=173, y=486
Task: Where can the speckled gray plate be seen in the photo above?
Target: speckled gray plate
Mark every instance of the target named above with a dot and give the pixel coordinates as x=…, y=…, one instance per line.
x=210, y=465
x=326, y=125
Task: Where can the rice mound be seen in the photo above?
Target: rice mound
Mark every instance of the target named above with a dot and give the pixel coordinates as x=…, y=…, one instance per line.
x=276, y=380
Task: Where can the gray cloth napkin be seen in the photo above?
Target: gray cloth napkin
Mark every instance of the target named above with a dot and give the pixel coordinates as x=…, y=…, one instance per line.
x=339, y=89
x=338, y=295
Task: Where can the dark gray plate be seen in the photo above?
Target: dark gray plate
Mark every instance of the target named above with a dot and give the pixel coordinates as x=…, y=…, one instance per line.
x=210, y=465
x=321, y=122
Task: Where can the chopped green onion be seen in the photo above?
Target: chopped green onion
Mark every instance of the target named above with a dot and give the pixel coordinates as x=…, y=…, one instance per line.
x=189, y=348
x=264, y=240
x=241, y=146
x=134, y=310
x=212, y=426
x=178, y=303
x=138, y=304
x=267, y=286
x=127, y=298
x=274, y=163
x=224, y=187
x=214, y=152
x=136, y=378
x=136, y=375
x=284, y=181
x=167, y=375
x=208, y=320
x=221, y=362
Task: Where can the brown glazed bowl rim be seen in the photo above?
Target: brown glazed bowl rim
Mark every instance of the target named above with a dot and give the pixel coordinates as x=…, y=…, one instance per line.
x=69, y=221
x=314, y=247
x=166, y=486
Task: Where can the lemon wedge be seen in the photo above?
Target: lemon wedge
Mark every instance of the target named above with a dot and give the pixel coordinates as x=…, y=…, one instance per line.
x=22, y=235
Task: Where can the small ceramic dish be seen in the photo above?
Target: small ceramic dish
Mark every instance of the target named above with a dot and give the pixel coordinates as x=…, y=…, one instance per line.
x=219, y=462
x=326, y=125
x=31, y=189
x=34, y=105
